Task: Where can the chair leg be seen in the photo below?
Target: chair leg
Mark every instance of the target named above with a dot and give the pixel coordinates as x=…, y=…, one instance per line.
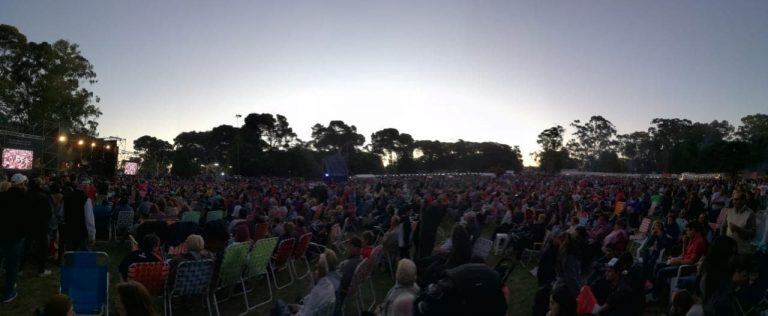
x=269, y=290
x=215, y=303
x=208, y=301
x=245, y=295
x=275, y=271
x=373, y=294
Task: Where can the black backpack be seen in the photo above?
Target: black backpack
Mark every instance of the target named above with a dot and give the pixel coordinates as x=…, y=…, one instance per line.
x=469, y=289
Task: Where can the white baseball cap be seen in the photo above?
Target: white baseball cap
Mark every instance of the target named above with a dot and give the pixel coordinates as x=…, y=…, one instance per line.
x=18, y=178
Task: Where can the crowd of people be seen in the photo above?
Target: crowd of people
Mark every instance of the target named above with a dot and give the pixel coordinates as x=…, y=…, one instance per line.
x=602, y=245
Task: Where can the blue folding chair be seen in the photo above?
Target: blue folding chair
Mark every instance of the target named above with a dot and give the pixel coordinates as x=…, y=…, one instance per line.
x=85, y=279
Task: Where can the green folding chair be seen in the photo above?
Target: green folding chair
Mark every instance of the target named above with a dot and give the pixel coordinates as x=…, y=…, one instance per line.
x=258, y=260
x=191, y=216
x=231, y=271
x=214, y=216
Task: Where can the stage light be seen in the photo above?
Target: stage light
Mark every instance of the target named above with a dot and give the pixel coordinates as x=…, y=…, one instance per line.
x=93, y=144
x=62, y=139
x=222, y=174
x=80, y=142
x=107, y=147
x=216, y=164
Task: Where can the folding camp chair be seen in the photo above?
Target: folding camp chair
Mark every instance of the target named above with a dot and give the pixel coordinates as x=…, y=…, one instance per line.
x=300, y=254
x=257, y=266
x=231, y=271
x=214, y=216
x=192, y=278
x=280, y=261
x=85, y=279
x=123, y=224
x=191, y=216
x=152, y=275
x=261, y=231
x=482, y=248
x=361, y=275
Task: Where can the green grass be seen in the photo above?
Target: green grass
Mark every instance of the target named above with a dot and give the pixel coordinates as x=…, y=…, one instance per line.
x=34, y=291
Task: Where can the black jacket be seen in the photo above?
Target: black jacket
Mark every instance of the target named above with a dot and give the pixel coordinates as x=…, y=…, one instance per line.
x=14, y=207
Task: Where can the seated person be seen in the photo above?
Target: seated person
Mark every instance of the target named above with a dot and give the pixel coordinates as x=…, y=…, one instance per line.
x=405, y=285
x=617, y=239
x=694, y=247
x=322, y=292
x=149, y=247
x=347, y=268
x=368, y=240
x=622, y=299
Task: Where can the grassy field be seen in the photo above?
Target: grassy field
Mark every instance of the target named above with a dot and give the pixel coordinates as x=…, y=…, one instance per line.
x=34, y=291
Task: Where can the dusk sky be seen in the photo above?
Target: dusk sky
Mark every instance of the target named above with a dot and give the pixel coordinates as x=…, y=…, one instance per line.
x=441, y=70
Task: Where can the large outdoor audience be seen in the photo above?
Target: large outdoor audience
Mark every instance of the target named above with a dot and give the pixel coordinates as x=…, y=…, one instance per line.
x=595, y=245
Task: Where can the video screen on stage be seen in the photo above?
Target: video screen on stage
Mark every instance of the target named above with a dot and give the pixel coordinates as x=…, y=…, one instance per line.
x=131, y=168
x=17, y=159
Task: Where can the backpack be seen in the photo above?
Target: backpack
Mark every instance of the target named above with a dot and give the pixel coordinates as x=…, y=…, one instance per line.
x=469, y=289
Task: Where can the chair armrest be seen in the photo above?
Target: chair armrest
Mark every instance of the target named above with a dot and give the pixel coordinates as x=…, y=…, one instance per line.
x=685, y=269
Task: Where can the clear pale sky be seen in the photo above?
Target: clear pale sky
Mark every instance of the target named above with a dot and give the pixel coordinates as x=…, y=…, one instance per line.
x=476, y=70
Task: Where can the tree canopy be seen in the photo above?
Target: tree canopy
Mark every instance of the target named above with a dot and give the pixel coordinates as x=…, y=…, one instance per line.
x=46, y=82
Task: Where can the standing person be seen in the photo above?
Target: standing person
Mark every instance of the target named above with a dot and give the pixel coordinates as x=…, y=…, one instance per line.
x=40, y=211
x=430, y=220
x=740, y=223
x=79, y=226
x=13, y=206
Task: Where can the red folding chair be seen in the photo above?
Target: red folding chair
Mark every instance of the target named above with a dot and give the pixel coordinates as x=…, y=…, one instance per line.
x=150, y=274
x=281, y=261
x=300, y=254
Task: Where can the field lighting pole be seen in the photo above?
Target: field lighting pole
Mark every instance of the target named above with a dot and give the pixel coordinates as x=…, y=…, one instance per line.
x=239, y=139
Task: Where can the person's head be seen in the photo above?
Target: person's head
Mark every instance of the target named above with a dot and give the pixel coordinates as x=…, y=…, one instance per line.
x=671, y=217
x=354, y=245
x=703, y=219
x=574, y=221
x=149, y=243
x=331, y=259
x=406, y=272
x=693, y=228
x=321, y=267
x=4, y=186
x=461, y=245
x=59, y=305
x=19, y=180
x=242, y=233
x=681, y=303
x=195, y=243
x=658, y=228
x=541, y=218
x=290, y=228
x=562, y=302
x=368, y=238
x=134, y=299
x=738, y=199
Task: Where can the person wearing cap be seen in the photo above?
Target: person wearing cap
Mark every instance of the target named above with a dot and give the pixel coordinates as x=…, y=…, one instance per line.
x=13, y=228
x=622, y=300
x=79, y=226
x=740, y=223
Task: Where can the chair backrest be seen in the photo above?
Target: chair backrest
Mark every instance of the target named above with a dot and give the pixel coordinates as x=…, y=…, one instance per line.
x=214, y=216
x=175, y=251
x=645, y=225
x=192, y=278
x=482, y=248
x=326, y=309
x=233, y=263
x=376, y=254
x=191, y=216
x=284, y=251
x=150, y=274
x=300, y=250
x=362, y=272
x=721, y=217
x=259, y=257
x=85, y=279
x=261, y=231
x=124, y=219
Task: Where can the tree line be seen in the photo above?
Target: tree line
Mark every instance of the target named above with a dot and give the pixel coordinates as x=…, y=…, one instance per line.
x=267, y=145
x=669, y=145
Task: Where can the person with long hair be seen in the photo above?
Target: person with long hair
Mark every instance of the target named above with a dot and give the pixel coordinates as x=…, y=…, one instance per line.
x=562, y=302
x=134, y=300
